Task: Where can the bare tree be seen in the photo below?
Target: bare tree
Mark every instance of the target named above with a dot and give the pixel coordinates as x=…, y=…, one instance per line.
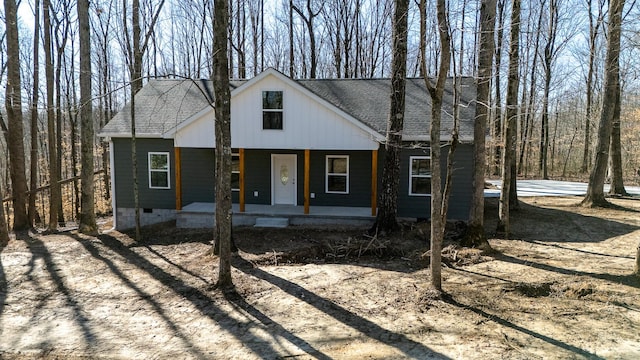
x=595, y=22
x=617, y=181
x=223, y=143
x=438, y=201
x=54, y=174
x=509, y=133
x=33, y=173
x=550, y=51
x=476, y=233
x=308, y=16
x=386, y=219
x=13, y=104
x=529, y=109
x=4, y=231
x=135, y=49
x=497, y=118
x=87, y=223
x=595, y=189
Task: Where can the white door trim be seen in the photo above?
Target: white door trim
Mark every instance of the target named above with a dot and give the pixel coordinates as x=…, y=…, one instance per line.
x=293, y=175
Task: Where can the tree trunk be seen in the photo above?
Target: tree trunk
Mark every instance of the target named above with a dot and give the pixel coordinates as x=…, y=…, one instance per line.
x=4, y=231
x=617, y=181
x=13, y=103
x=57, y=118
x=497, y=124
x=33, y=173
x=595, y=189
x=308, y=21
x=594, y=27
x=223, y=143
x=476, y=235
x=438, y=206
x=54, y=191
x=636, y=269
x=291, y=50
x=549, y=53
x=386, y=219
x=511, y=122
x=87, y=223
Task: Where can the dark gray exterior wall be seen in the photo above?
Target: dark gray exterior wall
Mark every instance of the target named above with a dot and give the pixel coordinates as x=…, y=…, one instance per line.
x=198, y=175
x=359, y=180
x=258, y=177
x=198, y=178
x=148, y=198
x=460, y=201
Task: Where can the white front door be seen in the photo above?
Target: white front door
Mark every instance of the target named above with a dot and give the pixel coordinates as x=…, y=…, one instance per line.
x=283, y=179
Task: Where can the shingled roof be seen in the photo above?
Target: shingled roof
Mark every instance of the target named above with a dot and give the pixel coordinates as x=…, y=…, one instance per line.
x=161, y=105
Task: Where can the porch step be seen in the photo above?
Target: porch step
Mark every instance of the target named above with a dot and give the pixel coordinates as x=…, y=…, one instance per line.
x=273, y=222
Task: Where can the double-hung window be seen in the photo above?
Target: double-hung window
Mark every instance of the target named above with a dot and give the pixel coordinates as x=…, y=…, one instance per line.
x=272, y=110
x=159, y=168
x=337, y=174
x=420, y=175
x=235, y=172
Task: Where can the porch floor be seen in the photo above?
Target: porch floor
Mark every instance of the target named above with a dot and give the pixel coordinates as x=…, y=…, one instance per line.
x=198, y=214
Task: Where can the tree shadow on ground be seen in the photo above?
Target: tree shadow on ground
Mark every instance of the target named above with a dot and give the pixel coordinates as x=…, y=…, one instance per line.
x=39, y=251
x=199, y=298
x=542, y=224
x=401, y=342
x=502, y=322
x=628, y=280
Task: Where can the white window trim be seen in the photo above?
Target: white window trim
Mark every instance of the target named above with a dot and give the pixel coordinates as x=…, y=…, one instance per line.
x=168, y=170
x=327, y=174
x=272, y=110
x=411, y=176
x=236, y=172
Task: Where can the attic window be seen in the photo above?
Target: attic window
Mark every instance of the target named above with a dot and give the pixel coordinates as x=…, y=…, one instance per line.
x=272, y=110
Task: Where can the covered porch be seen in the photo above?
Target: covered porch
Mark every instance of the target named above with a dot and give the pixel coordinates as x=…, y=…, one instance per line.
x=201, y=215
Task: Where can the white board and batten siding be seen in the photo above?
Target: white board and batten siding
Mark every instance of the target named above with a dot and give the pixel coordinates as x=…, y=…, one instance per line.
x=308, y=121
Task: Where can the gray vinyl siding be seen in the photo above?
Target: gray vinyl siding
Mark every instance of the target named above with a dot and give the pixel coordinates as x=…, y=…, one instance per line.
x=359, y=180
x=148, y=198
x=460, y=201
x=198, y=175
x=257, y=175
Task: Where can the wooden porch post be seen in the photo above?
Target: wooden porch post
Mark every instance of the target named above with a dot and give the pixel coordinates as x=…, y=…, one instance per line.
x=374, y=182
x=306, y=180
x=178, y=159
x=241, y=165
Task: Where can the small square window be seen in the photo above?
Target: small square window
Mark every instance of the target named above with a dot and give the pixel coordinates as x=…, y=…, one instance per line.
x=272, y=112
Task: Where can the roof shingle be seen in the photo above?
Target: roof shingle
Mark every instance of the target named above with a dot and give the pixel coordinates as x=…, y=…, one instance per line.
x=163, y=104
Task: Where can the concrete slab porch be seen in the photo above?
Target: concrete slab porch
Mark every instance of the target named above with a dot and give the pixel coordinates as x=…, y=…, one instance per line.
x=201, y=215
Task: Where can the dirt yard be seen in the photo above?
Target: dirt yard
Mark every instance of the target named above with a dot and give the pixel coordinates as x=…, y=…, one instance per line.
x=560, y=289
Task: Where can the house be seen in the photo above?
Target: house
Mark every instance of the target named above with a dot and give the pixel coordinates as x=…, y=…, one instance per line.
x=310, y=150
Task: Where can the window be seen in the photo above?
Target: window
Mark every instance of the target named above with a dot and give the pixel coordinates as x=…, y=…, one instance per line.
x=159, y=170
x=235, y=172
x=337, y=174
x=272, y=110
x=420, y=176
